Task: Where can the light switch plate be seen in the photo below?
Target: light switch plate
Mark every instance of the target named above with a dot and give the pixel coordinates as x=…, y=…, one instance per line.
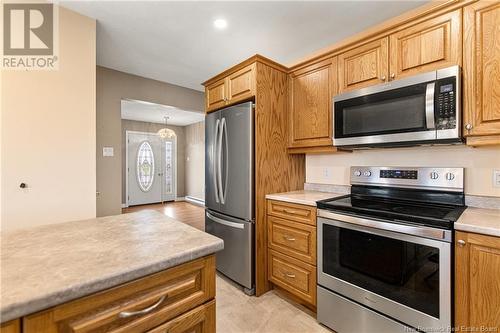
x=108, y=151
x=496, y=178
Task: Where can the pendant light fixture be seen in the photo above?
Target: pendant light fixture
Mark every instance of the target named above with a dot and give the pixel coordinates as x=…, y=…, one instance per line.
x=166, y=133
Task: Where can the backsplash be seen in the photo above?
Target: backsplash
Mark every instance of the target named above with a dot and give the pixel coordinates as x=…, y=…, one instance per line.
x=479, y=163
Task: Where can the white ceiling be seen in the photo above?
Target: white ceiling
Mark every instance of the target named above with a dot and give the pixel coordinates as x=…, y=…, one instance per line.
x=156, y=113
x=176, y=42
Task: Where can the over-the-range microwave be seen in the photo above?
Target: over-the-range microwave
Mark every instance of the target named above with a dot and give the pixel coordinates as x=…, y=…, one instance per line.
x=417, y=110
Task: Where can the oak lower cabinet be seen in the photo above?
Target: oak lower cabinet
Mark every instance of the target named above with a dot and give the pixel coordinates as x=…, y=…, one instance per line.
x=481, y=73
x=233, y=88
x=179, y=299
x=292, y=249
x=310, y=116
x=432, y=44
x=477, y=283
x=13, y=326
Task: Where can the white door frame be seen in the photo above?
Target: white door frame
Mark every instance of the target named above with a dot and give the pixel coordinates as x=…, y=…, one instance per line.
x=127, y=167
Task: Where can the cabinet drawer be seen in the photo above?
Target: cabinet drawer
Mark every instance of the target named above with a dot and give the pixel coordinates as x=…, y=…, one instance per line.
x=133, y=307
x=291, y=238
x=199, y=320
x=290, y=211
x=293, y=275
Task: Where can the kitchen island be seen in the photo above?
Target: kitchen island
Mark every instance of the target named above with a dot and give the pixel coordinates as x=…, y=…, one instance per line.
x=131, y=272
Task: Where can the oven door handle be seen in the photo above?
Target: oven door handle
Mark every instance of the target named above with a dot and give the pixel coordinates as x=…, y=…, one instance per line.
x=426, y=232
x=429, y=105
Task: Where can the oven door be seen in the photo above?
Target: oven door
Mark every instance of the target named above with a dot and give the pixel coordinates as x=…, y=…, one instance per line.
x=395, y=112
x=402, y=276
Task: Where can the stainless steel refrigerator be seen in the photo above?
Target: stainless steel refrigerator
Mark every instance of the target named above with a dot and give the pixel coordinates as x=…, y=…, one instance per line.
x=229, y=189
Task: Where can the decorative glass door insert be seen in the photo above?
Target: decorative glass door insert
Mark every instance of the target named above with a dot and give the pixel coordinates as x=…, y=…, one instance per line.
x=145, y=166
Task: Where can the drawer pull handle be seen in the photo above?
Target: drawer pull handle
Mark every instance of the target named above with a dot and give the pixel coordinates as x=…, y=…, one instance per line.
x=288, y=211
x=288, y=238
x=127, y=314
x=290, y=275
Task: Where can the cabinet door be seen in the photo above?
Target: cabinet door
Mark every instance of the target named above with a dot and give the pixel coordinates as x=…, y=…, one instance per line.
x=477, y=294
x=215, y=95
x=13, y=326
x=481, y=74
x=364, y=66
x=432, y=44
x=310, y=120
x=241, y=84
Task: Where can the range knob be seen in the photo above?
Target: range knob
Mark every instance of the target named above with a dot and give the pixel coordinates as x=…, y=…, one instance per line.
x=450, y=176
x=434, y=175
x=357, y=173
x=367, y=173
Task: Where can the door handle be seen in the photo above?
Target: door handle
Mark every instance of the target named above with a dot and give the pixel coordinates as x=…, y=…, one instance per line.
x=429, y=105
x=219, y=158
x=227, y=223
x=214, y=154
x=224, y=133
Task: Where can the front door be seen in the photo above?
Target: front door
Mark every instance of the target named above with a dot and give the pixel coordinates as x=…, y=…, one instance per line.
x=150, y=169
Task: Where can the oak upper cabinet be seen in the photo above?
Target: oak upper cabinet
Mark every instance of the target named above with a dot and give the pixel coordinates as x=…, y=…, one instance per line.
x=481, y=73
x=477, y=283
x=364, y=65
x=432, y=44
x=216, y=95
x=310, y=115
x=231, y=89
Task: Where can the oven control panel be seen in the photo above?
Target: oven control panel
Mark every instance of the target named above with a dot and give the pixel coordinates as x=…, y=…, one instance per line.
x=399, y=174
x=419, y=177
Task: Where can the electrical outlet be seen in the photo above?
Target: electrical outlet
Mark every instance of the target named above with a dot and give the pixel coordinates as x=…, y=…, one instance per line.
x=496, y=178
x=326, y=173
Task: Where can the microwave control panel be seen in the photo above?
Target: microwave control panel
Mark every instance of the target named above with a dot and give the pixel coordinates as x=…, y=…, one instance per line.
x=445, y=104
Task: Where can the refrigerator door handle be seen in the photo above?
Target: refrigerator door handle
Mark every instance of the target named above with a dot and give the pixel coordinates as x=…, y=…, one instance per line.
x=219, y=169
x=227, y=223
x=214, y=154
x=226, y=176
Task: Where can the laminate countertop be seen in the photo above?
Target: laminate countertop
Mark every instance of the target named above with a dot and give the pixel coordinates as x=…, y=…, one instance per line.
x=49, y=265
x=303, y=197
x=480, y=221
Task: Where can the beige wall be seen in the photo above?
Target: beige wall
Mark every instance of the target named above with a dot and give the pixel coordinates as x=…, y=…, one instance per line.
x=112, y=87
x=478, y=162
x=140, y=126
x=48, y=133
x=195, y=160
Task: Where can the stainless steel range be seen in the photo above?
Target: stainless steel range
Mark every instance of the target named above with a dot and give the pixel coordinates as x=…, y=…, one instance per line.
x=385, y=250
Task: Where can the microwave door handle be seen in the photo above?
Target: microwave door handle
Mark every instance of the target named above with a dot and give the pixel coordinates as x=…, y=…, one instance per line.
x=429, y=105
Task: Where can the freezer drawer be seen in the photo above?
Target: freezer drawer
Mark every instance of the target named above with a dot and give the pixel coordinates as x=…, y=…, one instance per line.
x=236, y=259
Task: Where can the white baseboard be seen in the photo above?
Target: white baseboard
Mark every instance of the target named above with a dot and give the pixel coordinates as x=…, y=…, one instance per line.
x=124, y=205
x=196, y=201
x=180, y=199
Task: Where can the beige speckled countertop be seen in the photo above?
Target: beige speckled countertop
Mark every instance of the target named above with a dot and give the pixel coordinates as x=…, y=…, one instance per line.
x=48, y=265
x=480, y=220
x=302, y=197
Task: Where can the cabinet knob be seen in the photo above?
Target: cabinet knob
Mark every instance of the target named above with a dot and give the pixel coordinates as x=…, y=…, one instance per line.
x=382, y=78
x=468, y=127
x=461, y=243
x=393, y=75
x=23, y=185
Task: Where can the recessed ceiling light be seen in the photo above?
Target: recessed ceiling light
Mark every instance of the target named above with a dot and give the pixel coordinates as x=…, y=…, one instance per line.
x=220, y=24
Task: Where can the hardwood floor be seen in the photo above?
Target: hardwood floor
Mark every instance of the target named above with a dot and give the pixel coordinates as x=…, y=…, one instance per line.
x=180, y=210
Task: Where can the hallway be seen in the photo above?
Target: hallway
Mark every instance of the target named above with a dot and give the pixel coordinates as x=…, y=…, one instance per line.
x=180, y=210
